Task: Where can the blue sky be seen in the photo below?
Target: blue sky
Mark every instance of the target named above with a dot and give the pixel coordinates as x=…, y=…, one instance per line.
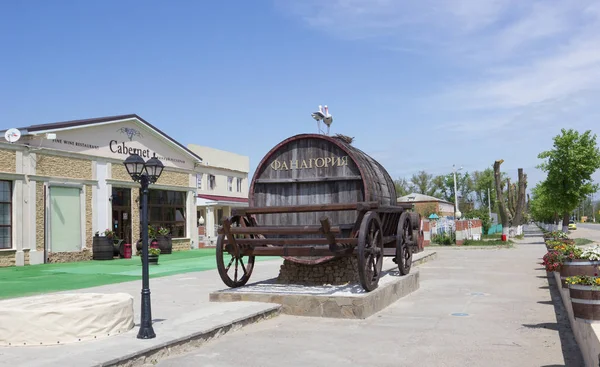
x=420, y=85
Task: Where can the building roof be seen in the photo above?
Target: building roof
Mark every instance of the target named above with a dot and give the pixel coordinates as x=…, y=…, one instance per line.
x=418, y=198
x=63, y=125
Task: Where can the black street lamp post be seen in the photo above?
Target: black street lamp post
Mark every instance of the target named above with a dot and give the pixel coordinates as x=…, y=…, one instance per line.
x=145, y=173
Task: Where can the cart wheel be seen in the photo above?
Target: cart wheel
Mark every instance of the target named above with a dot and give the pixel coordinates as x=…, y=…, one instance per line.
x=415, y=220
x=242, y=265
x=370, y=251
x=404, y=236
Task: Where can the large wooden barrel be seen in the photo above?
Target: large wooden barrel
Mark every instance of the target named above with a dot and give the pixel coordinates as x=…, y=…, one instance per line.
x=102, y=248
x=318, y=169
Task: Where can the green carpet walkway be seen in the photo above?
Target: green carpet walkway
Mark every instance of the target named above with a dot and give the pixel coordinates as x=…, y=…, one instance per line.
x=36, y=279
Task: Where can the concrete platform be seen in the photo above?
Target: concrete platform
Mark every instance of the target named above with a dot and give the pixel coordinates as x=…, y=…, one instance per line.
x=349, y=301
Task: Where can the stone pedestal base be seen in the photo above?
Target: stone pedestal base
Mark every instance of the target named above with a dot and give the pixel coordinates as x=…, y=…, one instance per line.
x=335, y=272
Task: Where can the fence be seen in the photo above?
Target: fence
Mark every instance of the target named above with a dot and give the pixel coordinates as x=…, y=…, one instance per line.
x=496, y=228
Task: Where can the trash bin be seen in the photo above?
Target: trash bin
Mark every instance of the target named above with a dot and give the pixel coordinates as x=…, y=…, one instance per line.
x=127, y=251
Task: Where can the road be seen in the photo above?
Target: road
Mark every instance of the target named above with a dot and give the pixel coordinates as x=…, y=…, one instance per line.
x=475, y=307
x=586, y=230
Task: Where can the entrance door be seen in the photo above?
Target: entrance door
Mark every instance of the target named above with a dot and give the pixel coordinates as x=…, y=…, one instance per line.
x=121, y=217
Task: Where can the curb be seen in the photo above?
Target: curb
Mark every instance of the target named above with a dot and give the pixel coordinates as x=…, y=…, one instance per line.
x=187, y=343
x=428, y=257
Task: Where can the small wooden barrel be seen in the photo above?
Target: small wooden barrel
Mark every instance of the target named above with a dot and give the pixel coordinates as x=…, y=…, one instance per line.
x=578, y=267
x=585, y=300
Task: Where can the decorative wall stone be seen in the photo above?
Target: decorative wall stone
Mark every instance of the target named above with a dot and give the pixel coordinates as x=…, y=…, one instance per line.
x=8, y=160
x=7, y=258
x=135, y=217
x=39, y=216
x=119, y=172
x=56, y=166
x=338, y=271
x=67, y=257
x=172, y=178
x=88, y=216
x=181, y=244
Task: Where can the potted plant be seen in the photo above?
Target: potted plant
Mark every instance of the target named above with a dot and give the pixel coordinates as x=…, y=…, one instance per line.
x=153, y=253
x=151, y=238
x=584, y=292
x=571, y=260
x=102, y=246
x=164, y=240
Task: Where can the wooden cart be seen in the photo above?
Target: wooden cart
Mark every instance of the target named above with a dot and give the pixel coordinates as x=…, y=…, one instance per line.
x=315, y=198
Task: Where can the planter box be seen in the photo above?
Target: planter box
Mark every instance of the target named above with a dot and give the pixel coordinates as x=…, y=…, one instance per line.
x=585, y=300
x=578, y=267
x=165, y=244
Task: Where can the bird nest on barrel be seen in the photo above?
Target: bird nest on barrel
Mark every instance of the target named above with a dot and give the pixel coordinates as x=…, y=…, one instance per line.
x=345, y=138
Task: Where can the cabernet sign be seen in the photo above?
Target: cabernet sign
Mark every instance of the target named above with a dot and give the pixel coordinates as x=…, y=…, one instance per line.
x=118, y=141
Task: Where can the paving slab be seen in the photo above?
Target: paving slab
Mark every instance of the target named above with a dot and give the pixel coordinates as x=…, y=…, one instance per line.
x=473, y=308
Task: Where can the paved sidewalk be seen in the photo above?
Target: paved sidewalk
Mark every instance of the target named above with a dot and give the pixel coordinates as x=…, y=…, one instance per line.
x=477, y=307
x=181, y=312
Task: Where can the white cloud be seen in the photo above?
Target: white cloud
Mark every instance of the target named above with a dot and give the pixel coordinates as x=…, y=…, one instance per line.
x=518, y=71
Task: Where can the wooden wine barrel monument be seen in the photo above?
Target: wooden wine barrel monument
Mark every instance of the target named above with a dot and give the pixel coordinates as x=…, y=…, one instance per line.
x=315, y=198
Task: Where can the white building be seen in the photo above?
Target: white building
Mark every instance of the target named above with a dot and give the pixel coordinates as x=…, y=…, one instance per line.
x=222, y=184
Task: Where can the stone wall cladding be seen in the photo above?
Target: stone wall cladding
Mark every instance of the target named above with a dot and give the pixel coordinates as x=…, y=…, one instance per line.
x=171, y=178
x=39, y=216
x=56, y=166
x=338, y=271
x=135, y=217
x=8, y=160
x=119, y=172
x=67, y=257
x=181, y=244
x=7, y=258
x=88, y=216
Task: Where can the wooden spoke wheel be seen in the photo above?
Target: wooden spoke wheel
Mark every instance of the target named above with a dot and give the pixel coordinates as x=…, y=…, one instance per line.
x=234, y=268
x=370, y=251
x=404, y=240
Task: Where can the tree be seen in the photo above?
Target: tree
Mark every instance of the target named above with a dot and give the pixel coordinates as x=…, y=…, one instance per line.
x=541, y=207
x=444, y=185
x=570, y=165
x=504, y=216
x=402, y=187
x=422, y=183
x=482, y=182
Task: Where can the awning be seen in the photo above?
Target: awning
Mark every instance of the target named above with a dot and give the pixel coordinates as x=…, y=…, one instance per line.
x=205, y=200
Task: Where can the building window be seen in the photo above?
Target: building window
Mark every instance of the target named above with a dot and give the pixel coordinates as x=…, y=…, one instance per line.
x=212, y=182
x=5, y=214
x=229, y=183
x=239, y=184
x=199, y=181
x=167, y=209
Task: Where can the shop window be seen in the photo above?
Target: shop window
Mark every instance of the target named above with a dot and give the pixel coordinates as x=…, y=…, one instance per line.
x=65, y=219
x=229, y=183
x=5, y=214
x=212, y=182
x=168, y=209
x=239, y=184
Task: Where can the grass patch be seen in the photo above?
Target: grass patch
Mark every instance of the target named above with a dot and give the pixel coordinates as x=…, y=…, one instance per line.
x=492, y=236
x=582, y=241
x=44, y=278
x=488, y=243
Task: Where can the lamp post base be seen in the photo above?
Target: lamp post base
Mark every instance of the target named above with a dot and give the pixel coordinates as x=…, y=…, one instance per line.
x=146, y=333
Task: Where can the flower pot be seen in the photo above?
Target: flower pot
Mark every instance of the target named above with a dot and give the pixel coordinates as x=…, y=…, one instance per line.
x=152, y=259
x=164, y=244
x=102, y=248
x=585, y=300
x=577, y=267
